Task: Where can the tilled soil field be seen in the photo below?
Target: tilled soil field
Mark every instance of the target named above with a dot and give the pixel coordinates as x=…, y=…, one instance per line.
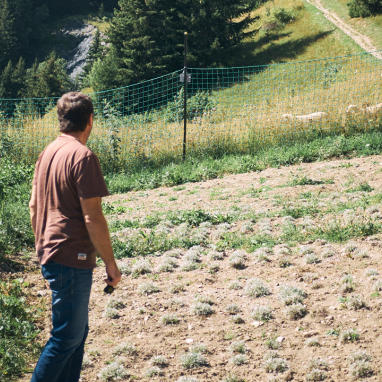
x=270, y=276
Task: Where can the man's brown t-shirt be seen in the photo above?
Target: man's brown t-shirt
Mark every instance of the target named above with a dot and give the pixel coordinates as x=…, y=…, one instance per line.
x=66, y=172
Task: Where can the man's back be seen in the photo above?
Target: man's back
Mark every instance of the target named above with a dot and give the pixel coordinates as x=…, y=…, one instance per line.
x=65, y=172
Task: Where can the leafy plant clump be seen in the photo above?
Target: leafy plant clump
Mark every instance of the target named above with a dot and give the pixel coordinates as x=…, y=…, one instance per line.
x=113, y=372
x=262, y=313
x=201, y=309
x=296, y=311
x=359, y=364
x=192, y=360
x=256, y=288
x=169, y=319
x=147, y=288
x=153, y=372
x=238, y=360
x=349, y=335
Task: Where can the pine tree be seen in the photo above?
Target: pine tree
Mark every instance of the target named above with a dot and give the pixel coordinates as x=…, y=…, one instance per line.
x=364, y=8
x=146, y=36
x=6, y=90
x=96, y=51
x=8, y=40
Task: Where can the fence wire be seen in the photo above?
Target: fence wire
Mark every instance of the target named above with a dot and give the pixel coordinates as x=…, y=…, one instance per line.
x=229, y=110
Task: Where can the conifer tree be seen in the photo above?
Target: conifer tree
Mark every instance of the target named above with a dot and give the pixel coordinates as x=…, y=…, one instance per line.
x=12, y=80
x=8, y=38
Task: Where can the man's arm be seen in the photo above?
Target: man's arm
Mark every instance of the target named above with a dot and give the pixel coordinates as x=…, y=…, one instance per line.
x=99, y=235
x=33, y=208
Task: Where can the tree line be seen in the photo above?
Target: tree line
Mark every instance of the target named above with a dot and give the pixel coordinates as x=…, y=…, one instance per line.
x=145, y=40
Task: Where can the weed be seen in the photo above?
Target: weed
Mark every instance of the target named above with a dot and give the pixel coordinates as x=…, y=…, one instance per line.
x=141, y=310
x=175, y=302
x=198, y=348
x=125, y=348
x=238, y=347
x=238, y=360
x=112, y=372
x=328, y=252
x=316, y=285
x=303, y=181
x=232, y=378
x=334, y=332
x=167, y=265
x=153, y=372
x=232, y=309
x=296, y=311
x=213, y=268
x=236, y=285
x=284, y=262
x=188, y=266
x=262, y=313
x=111, y=313
x=169, y=319
x=256, y=288
x=313, y=342
x=361, y=369
x=86, y=362
x=358, y=355
x=349, y=335
x=237, y=260
x=378, y=286
x=116, y=303
x=363, y=187
x=201, y=309
x=147, y=288
x=305, y=250
x=237, y=319
x=371, y=272
x=316, y=375
x=192, y=256
x=204, y=299
x=271, y=343
x=291, y=295
x=317, y=363
x=159, y=360
x=214, y=255
x=311, y=258
x=228, y=336
x=353, y=302
x=192, y=360
x=187, y=379
x=271, y=354
x=176, y=288
x=124, y=268
x=141, y=267
x=275, y=365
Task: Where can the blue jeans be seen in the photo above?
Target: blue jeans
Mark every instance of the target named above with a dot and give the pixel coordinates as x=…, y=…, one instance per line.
x=61, y=359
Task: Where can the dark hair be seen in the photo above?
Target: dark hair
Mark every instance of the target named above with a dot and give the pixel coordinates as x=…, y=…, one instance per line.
x=74, y=110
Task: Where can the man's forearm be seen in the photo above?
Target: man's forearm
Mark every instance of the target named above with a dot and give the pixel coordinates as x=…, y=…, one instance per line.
x=99, y=236
x=32, y=213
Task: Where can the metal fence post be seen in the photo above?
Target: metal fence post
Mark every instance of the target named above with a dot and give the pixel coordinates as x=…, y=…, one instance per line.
x=185, y=98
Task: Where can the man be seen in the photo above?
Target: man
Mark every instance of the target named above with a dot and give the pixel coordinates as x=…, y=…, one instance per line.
x=70, y=229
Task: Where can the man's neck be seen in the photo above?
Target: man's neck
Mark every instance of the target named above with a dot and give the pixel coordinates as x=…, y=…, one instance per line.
x=79, y=135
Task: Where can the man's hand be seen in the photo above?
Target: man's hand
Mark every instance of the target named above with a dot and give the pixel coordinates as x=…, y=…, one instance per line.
x=114, y=275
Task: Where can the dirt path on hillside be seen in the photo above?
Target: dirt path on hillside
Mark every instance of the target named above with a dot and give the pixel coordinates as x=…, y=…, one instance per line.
x=363, y=41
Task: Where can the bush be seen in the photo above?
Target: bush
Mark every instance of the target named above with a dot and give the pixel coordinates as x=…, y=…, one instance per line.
x=238, y=347
x=192, y=360
x=262, y=313
x=17, y=331
x=153, y=372
x=256, y=288
x=296, y=311
x=201, y=309
x=275, y=365
x=283, y=15
x=112, y=372
x=238, y=360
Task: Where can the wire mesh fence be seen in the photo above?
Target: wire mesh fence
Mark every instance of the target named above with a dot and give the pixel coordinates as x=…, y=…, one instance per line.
x=229, y=110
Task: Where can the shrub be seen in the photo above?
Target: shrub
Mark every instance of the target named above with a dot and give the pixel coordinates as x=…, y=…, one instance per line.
x=112, y=372
x=291, y=295
x=147, y=288
x=271, y=354
x=262, y=313
x=111, y=313
x=283, y=15
x=284, y=262
x=124, y=268
x=159, y=360
x=350, y=335
x=153, y=372
x=311, y=258
x=141, y=267
x=198, y=348
x=238, y=360
x=201, y=309
x=233, y=309
x=238, y=347
x=116, y=303
x=271, y=343
x=358, y=355
x=192, y=360
x=176, y=288
x=237, y=260
x=275, y=365
x=125, y=348
x=236, y=285
x=188, y=266
x=256, y=288
x=204, y=298
x=237, y=319
x=232, y=378
x=214, y=255
x=192, y=256
x=169, y=319
x=317, y=363
x=296, y=311
x=361, y=369
x=378, y=286
x=371, y=272
x=187, y=379
x=355, y=303
x=316, y=375
x=313, y=342
x=328, y=252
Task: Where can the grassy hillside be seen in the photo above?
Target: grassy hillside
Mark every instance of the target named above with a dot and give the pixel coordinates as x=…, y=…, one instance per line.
x=370, y=26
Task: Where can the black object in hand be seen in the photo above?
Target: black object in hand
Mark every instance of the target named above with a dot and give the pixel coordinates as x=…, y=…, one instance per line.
x=109, y=289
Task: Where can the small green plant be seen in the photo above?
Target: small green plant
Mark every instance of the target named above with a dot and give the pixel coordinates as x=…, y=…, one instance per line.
x=188, y=266
x=125, y=348
x=291, y=295
x=147, y=288
x=334, y=332
x=262, y=313
x=169, y=319
x=284, y=262
x=272, y=343
x=124, y=268
x=316, y=375
x=256, y=288
x=275, y=365
x=111, y=313
x=176, y=288
x=192, y=360
x=358, y=355
x=198, y=348
x=237, y=260
x=353, y=302
x=232, y=309
x=237, y=319
x=204, y=298
x=361, y=369
x=238, y=347
x=349, y=335
x=187, y=379
x=296, y=311
x=112, y=372
x=116, y=303
x=363, y=187
x=238, y=360
x=153, y=372
x=232, y=378
x=214, y=255
x=371, y=272
x=141, y=267
x=236, y=285
x=311, y=258
x=313, y=342
x=159, y=360
x=318, y=363
x=201, y=309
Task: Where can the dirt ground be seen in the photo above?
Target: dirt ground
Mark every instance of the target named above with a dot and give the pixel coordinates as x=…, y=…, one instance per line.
x=259, y=202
